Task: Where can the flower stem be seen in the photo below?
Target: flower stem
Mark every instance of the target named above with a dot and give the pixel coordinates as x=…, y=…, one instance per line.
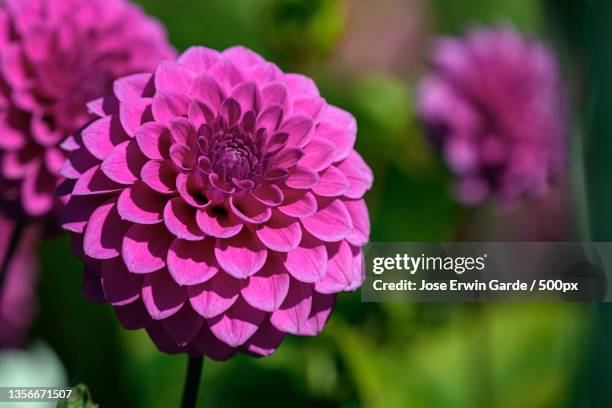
x=192, y=382
x=8, y=255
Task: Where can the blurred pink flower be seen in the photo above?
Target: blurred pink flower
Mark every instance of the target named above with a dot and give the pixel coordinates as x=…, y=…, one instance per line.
x=495, y=106
x=218, y=203
x=17, y=291
x=56, y=55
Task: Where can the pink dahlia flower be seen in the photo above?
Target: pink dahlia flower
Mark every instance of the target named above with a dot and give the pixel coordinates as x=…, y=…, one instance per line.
x=55, y=56
x=494, y=105
x=17, y=287
x=218, y=203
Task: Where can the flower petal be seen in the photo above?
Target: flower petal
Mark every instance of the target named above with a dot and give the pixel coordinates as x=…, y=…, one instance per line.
x=183, y=326
x=173, y=76
x=247, y=94
x=191, y=262
x=322, y=306
x=206, y=89
x=242, y=255
x=160, y=176
x=267, y=289
x=300, y=129
x=218, y=222
x=198, y=58
x=360, y=220
x=302, y=178
x=144, y=247
x=308, y=262
x=135, y=113
x=154, y=140
x=339, y=269
x=331, y=222
x=120, y=286
x=180, y=219
x=124, y=163
x=358, y=173
x=133, y=316
x=236, y=326
x=295, y=310
x=299, y=204
x=332, y=183
x=214, y=296
x=167, y=105
x=265, y=341
x=102, y=135
x=135, y=86
x=282, y=233
x=104, y=232
x=318, y=154
x=161, y=295
x=141, y=205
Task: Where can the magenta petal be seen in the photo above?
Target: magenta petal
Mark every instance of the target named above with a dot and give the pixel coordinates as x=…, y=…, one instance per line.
x=230, y=111
x=331, y=222
x=124, y=162
x=92, y=288
x=180, y=219
x=358, y=174
x=299, y=204
x=250, y=210
x=94, y=181
x=37, y=192
x=161, y=295
x=300, y=129
x=102, y=135
x=360, y=220
x=173, y=76
x=267, y=289
x=210, y=346
x=332, y=183
x=310, y=106
x=135, y=113
x=275, y=93
x=247, y=94
x=120, y=286
x=167, y=105
x=104, y=232
x=160, y=176
x=182, y=156
x=132, y=87
x=301, y=85
x=302, y=178
x=182, y=131
x=359, y=273
x=133, y=316
x=191, y=262
x=318, y=154
x=308, y=262
x=265, y=341
x=339, y=269
x=141, y=205
x=288, y=157
x=214, y=296
x=238, y=324
x=218, y=222
x=77, y=211
x=199, y=59
x=340, y=128
x=199, y=113
x=243, y=57
x=242, y=255
x=154, y=140
x=145, y=247
x=322, y=306
x=295, y=310
x=270, y=119
x=268, y=194
x=282, y=233
x=206, y=89
x=183, y=326
x=226, y=72
x=190, y=186
x=276, y=142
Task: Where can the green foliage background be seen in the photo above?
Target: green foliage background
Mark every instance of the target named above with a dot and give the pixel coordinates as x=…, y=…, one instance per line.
x=371, y=355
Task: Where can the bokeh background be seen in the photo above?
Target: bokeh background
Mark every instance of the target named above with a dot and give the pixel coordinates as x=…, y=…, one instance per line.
x=367, y=56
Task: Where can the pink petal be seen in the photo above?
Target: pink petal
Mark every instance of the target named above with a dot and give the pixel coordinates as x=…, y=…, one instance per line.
x=135, y=113
x=182, y=156
x=131, y=87
x=247, y=94
x=102, y=135
x=199, y=59
x=182, y=131
x=250, y=210
x=160, y=176
x=265, y=341
x=301, y=85
x=120, y=287
x=37, y=192
x=295, y=310
x=162, y=339
x=310, y=106
x=339, y=269
x=167, y=105
x=183, y=326
x=141, y=205
x=104, y=232
x=78, y=163
x=226, y=72
x=191, y=262
x=322, y=306
x=124, y=163
x=161, y=295
x=270, y=118
x=288, y=157
x=218, y=222
x=180, y=219
x=154, y=140
x=210, y=346
x=358, y=276
x=236, y=326
x=302, y=178
x=190, y=186
x=275, y=93
x=199, y=113
x=242, y=255
x=242, y=56
x=332, y=183
x=94, y=181
x=230, y=111
x=340, y=128
x=281, y=233
x=319, y=154
x=299, y=204
x=300, y=129
x=268, y=194
x=77, y=211
x=214, y=296
x=331, y=222
x=267, y=289
x=133, y=316
x=308, y=262
x=145, y=247
x=206, y=89
x=360, y=220
x=173, y=76
x=358, y=173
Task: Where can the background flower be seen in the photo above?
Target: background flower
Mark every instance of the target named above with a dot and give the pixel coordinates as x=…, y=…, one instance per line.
x=18, y=289
x=219, y=203
x=55, y=55
x=494, y=105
